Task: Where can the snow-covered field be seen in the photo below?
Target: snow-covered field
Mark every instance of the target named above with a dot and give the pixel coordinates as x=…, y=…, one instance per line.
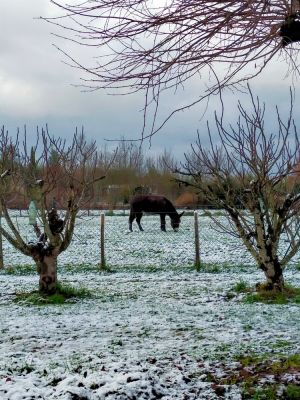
x=151, y=248
x=153, y=328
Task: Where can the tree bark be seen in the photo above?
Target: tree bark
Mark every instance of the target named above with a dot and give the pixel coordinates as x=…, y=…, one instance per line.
x=274, y=275
x=47, y=269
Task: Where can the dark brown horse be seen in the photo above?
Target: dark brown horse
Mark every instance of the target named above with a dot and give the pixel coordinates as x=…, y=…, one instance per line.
x=156, y=205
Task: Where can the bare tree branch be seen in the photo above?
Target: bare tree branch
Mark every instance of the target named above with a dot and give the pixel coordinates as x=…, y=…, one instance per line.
x=155, y=47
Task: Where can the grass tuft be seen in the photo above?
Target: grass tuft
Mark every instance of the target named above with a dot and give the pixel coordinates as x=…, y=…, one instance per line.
x=260, y=367
x=289, y=294
x=210, y=268
x=261, y=362
x=266, y=393
x=241, y=287
x=70, y=291
x=292, y=392
x=63, y=293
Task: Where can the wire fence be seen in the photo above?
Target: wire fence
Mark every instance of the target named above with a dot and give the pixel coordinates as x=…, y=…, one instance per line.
x=150, y=247
x=195, y=242
x=103, y=239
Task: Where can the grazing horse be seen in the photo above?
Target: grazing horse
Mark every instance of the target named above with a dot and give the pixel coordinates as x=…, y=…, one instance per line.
x=156, y=205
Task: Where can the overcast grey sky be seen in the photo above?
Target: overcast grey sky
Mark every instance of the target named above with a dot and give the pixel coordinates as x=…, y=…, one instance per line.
x=36, y=88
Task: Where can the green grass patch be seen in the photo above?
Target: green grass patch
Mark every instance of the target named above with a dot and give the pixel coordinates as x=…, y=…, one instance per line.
x=292, y=392
x=69, y=291
x=261, y=362
x=225, y=267
x=260, y=376
x=128, y=269
x=273, y=298
x=251, y=359
x=266, y=393
x=210, y=268
x=241, y=287
x=70, y=268
x=19, y=270
x=256, y=367
x=63, y=293
x=149, y=269
x=272, y=392
x=281, y=344
x=248, y=327
x=288, y=295
x=30, y=269
x=79, y=268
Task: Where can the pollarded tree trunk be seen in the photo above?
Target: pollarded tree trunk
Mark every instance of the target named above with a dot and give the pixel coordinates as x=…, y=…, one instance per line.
x=274, y=274
x=47, y=268
x=46, y=262
x=45, y=252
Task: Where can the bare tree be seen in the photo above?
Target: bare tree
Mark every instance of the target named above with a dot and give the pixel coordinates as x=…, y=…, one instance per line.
x=166, y=162
x=251, y=175
x=153, y=46
x=129, y=155
x=35, y=173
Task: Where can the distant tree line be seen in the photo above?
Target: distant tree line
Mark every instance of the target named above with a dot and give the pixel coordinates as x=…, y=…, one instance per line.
x=133, y=171
x=129, y=171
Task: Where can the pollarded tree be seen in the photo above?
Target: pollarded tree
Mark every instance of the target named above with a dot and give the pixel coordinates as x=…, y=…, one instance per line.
x=33, y=172
x=251, y=175
x=155, y=46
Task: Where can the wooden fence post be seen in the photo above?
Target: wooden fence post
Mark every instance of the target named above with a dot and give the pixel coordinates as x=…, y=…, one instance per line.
x=102, y=238
x=197, y=244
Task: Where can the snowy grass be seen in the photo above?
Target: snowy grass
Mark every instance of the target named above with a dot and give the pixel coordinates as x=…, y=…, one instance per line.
x=151, y=248
x=62, y=294
x=152, y=328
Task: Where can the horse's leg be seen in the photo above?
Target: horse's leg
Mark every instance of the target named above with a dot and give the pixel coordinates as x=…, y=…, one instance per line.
x=131, y=219
x=163, y=222
x=138, y=220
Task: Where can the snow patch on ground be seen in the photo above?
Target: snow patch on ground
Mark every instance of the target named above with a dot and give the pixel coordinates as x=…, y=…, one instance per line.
x=142, y=334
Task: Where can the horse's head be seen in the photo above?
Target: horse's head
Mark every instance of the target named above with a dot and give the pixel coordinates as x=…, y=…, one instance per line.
x=175, y=221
